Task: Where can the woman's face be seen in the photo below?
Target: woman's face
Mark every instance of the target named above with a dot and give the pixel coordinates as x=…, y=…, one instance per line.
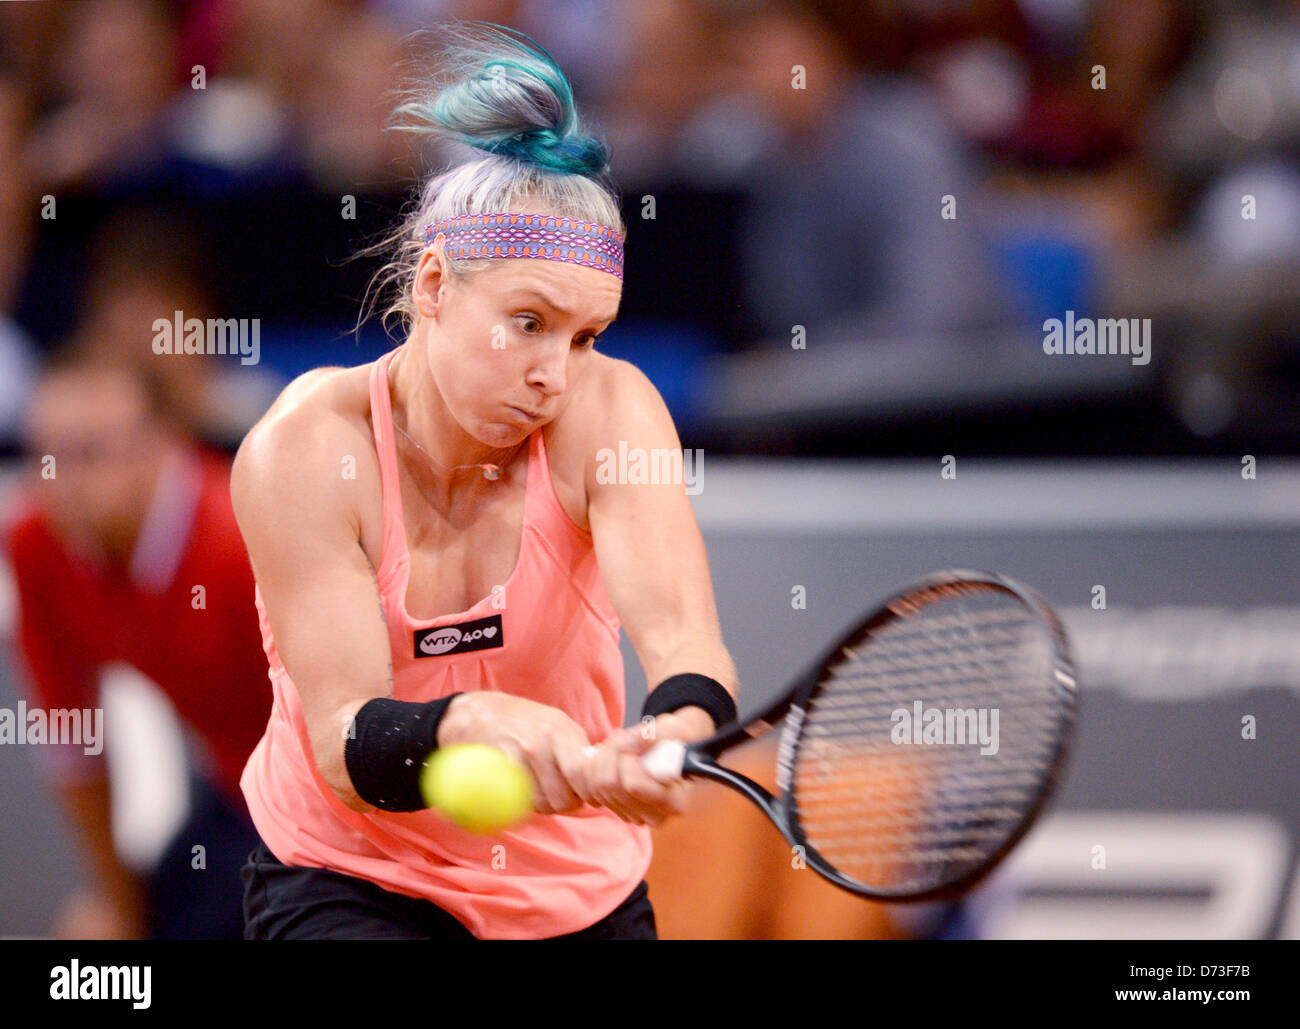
x=507, y=344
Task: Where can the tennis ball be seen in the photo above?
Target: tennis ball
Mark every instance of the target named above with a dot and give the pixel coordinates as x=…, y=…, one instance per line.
x=479, y=787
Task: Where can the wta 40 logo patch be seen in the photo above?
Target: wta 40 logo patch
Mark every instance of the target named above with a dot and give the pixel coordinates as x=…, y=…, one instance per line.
x=481, y=634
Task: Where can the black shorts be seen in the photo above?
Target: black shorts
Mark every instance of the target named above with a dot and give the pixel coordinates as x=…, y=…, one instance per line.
x=283, y=902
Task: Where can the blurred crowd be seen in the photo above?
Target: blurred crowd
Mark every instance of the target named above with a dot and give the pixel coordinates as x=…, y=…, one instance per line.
x=935, y=172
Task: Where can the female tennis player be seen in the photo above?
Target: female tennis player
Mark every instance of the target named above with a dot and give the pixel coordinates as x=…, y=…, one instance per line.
x=439, y=561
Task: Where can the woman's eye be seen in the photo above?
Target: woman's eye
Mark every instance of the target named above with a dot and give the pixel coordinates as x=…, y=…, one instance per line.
x=529, y=323
x=586, y=342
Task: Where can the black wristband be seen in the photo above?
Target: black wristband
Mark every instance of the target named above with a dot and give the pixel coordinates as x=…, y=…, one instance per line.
x=691, y=690
x=386, y=748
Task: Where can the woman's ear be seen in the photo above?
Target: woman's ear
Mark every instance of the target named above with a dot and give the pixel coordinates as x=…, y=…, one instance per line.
x=430, y=278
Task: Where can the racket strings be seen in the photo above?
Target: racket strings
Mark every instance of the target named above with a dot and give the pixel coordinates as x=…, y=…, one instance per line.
x=928, y=743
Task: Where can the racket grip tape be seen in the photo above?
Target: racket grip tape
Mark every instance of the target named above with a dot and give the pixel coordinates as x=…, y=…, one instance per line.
x=665, y=760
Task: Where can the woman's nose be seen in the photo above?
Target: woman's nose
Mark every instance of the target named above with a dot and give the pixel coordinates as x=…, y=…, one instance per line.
x=550, y=373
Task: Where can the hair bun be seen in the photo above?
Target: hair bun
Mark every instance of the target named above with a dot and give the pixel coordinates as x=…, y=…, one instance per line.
x=502, y=93
x=545, y=148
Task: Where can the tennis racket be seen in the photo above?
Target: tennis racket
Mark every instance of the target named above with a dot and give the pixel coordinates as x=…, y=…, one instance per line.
x=921, y=747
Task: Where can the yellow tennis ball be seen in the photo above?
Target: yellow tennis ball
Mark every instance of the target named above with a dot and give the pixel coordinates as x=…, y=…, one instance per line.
x=479, y=787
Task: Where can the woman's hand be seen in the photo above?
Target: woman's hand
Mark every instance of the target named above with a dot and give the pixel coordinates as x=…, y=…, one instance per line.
x=617, y=780
x=545, y=740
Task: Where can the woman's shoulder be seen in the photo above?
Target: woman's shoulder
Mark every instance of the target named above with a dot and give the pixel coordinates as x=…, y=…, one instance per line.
x=596, y=411
x=614, y=395
x=614, y=403
x=319, y=420
x=323, y=400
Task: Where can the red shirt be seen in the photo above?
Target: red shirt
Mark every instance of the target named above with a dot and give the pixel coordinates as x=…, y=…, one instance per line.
x=202, y=647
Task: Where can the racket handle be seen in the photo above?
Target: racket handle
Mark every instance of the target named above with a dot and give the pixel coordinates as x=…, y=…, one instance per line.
x=665, y=760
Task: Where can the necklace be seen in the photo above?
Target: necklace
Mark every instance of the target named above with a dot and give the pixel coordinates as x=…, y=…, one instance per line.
x=490, y=471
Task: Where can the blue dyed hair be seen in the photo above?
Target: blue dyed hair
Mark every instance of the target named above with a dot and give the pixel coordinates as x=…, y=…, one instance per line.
x=500, y=93
x=508, y=97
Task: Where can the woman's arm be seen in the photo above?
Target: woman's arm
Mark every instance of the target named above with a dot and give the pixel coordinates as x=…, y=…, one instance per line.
x=656, y=572
x=296, y=511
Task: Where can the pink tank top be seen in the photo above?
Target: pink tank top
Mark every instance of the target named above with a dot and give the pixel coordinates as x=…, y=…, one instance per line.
x=551, y=635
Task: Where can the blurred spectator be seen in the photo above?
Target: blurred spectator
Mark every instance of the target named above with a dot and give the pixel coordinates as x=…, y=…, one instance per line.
x=149, y=263
x=114, y=76
x=845, y=231
x=680, y=178
x=653, y=100
x=345, y=105
x=31, y=36
x=1238, y=96
x=124, y=548
x=17, y=213
x=1231, y=122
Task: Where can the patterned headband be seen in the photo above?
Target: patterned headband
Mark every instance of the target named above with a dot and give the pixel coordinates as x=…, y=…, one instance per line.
x=530, y=235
